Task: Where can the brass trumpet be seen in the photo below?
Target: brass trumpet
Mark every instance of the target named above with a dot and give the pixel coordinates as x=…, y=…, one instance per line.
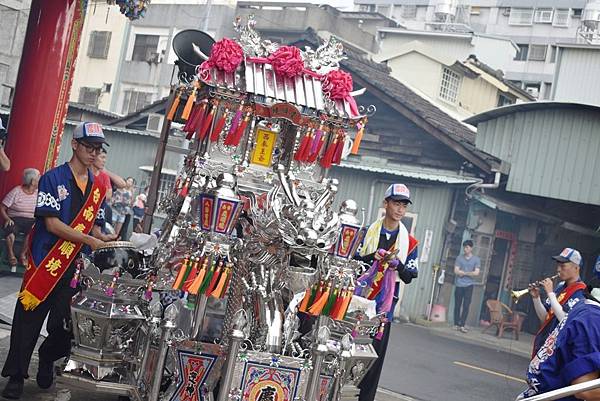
x=516, y=295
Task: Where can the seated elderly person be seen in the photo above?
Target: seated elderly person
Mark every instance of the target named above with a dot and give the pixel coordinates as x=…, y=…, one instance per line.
x=16, y=211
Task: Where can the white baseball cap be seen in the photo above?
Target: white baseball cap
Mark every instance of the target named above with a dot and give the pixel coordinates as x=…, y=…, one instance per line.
x=89, y=132
x=397, y=192
x=569, y=255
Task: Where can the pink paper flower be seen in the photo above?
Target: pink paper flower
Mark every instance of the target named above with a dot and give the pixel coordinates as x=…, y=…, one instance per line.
x=287, y=61
x=337, y=84
x=225, y=55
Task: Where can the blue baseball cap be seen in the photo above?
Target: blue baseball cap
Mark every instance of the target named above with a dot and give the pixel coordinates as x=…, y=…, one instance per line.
x=90, y=133
x=569, y=255
x=397, y=192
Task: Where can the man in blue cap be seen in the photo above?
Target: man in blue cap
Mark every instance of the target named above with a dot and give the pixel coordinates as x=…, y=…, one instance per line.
x=69, y=215
x=393, y=254
x=561, y=299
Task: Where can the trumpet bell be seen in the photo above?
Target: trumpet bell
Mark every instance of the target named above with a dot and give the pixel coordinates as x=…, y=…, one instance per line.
x=516, y=295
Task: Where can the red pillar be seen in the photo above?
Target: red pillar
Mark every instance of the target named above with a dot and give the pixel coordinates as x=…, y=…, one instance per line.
x=44, y=81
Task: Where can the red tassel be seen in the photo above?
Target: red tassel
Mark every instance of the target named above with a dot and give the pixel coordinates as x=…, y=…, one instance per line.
x=197, y=121
x=304, y=147
x=235, y=138
x=313, y=157
x=214, y=136
x=327, y=159
x=337, y=158
x=206, y=123
x=188, y=124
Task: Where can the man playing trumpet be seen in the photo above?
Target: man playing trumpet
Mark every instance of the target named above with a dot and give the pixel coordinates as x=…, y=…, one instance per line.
x=561, y=299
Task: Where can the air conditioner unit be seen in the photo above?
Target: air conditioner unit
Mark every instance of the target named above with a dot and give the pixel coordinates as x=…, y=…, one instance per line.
x=154, y=123
x=535, y=92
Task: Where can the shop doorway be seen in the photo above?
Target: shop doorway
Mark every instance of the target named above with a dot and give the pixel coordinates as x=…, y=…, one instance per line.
x=498, y=260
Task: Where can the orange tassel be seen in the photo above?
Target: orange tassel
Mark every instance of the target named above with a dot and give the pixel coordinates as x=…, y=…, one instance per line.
x=221, y=289
x=358, y=138
x=320, y=303
x=195, y=286
x=304, y=303
x=221, y=283
x=174, y=106
x=214, y=136
x=327, y=159
x=181, y=274
x=185, y=114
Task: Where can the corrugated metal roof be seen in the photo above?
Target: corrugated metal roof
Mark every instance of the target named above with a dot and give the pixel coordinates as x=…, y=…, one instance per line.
x=552, y=149
x=520, y=107
x=408, y=172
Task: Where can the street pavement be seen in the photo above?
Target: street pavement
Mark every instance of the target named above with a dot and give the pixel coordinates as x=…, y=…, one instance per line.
x=422, y=364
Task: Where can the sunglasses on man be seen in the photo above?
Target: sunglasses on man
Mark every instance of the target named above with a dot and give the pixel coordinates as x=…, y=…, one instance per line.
x=91, y=148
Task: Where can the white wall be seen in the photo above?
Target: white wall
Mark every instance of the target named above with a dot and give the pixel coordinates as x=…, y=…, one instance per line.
x=90, y=72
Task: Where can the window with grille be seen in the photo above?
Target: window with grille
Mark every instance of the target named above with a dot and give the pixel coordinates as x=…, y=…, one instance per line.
x=134, y=101
x=89, y=96
x=522, y=52
x=144, y=46
x=561, y=17
x=537, y=52
x=409, y=12
x=450, y=85
x=520, y=16
x=543, y=16
x=99, y=44
x=577, y=12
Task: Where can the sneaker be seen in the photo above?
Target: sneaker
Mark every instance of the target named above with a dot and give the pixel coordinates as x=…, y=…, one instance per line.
x=456, y=327
x=45, y=375
x=13, y=389
x=463, y=329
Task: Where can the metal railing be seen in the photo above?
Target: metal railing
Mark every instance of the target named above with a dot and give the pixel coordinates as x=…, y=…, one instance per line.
x=566, y=391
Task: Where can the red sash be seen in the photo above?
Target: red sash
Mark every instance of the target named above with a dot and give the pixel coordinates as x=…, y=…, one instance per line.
x=40, y=280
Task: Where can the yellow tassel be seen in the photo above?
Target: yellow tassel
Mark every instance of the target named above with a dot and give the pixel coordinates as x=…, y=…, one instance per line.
x=188, y=105
x=174, y=106
x=318, y=306
x=358, y=138
x=29, y=301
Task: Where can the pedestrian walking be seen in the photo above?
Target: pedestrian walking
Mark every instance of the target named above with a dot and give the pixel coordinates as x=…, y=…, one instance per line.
x=393, y=254
x=69, y=208
x=466, y=267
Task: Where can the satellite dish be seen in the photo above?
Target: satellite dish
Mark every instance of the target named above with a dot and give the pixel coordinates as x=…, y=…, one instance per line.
x=192, y=48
